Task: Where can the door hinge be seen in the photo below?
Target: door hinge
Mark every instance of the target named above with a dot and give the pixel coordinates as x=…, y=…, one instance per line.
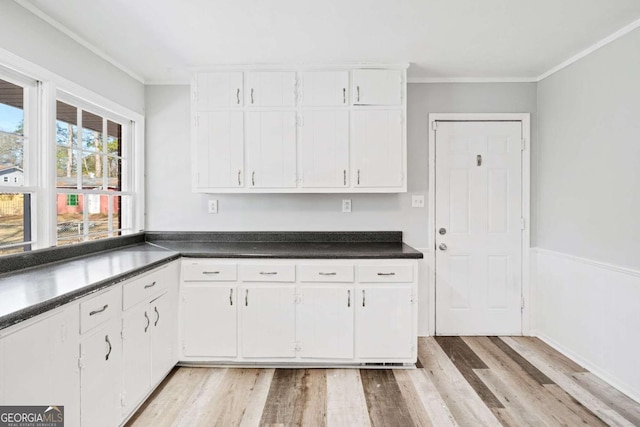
x=80, y=363
x=523, y=143
x=522, y=224
x=434, y=125
x=522, y=303
x=196, y=121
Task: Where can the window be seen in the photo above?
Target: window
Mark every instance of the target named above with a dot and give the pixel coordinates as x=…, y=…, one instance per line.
x=15, y=199
x=93, y=190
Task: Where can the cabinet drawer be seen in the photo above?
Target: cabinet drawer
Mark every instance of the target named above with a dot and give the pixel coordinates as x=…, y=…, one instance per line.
x=325, y=273
x=99, y=309
x=385, y=273
x=204, y=272
x=144, y=287
x=268, y=273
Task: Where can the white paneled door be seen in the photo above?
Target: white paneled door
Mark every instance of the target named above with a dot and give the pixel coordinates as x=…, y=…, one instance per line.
x=478, y=228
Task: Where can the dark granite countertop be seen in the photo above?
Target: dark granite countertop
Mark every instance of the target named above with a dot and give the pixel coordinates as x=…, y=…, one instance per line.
x=30, y=292
x=327, y=250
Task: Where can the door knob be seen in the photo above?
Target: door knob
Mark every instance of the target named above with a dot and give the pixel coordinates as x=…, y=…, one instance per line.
x=442, y=247
x=442, y=231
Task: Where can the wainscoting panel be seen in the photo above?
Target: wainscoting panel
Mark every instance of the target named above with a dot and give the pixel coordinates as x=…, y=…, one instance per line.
x=589, y=311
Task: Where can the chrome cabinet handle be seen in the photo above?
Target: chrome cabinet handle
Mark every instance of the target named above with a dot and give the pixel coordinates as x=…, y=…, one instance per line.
x=238, y=96
x=387, y=274
x=253, y=178
x=210, y=272
x=231, y=296
x=333, y=273
x=246, y=298
x=239, y=175
x=148, y=321
x=99, y=311
x=344, y=95
x=150, y=286
x=348, y=298
x=358, y=176
x=252, y=95
x=157, y=314
x=268, y=273
x=106, y=339
x=363, y=299
x=358, y=93
x=344, y=177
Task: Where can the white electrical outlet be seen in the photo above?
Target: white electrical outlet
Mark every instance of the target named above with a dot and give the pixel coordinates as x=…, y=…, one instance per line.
x=213, y=206
x=417, y=201
x=346, y=205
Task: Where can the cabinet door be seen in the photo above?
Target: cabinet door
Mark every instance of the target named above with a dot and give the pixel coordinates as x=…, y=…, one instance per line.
x=137, y=323
x=217, y=89
x=100, y=377
x=271, y=89
x=40, y=364
x=209, y=320
x=271, y=149
x=377, y=87
x=268, y=321
x=384, y=322
x=377, y=148
x=324, y=88
x=163, y=336
x=219, y=149
x=324, y=321
x=324, y=145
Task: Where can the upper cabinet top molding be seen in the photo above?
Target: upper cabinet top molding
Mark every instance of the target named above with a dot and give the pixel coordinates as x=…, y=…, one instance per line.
x=302, y=67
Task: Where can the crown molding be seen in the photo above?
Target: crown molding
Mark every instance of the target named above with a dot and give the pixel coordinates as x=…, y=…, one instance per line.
x=471, y=80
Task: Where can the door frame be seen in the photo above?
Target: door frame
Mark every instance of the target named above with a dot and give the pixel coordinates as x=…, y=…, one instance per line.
x=525, y=119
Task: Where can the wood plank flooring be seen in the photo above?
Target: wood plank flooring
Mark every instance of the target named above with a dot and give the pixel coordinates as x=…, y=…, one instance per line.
x=459, y=381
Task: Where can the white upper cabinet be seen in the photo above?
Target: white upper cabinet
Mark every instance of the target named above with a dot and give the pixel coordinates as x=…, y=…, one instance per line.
x=218, y=152
x=270, y=89
x=271, y=149
x=217, y=90
x=324, y=147
x=324, y=88
x=377, y=87
x=377, y=148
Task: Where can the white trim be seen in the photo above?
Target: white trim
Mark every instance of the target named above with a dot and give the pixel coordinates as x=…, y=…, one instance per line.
x=605, y=41
x=78, y=39
x=525, y=118
x=176, y=82
x=472, y=80
x=599, y=264
x=346, y=66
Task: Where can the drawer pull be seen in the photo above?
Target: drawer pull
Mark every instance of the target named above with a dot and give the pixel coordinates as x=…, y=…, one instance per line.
x=157, y=314
x=246, y=298
x=210, y=272
x=333, y=273
x=363, y=299
x=148, y=321
x=231, y=296
x=99, y=311
x=349, y=298
x=268, y=273
x=106, y=339
x=387, y=274
x=150, y=286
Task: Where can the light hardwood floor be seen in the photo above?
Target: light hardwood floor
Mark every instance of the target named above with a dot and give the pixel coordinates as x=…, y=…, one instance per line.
x=465, y=381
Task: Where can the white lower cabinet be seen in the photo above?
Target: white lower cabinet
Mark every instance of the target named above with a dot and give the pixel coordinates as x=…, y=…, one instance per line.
x=324, y=321
x=306, y=311
x=39, y=363
x=268, y=321
x=136, y=348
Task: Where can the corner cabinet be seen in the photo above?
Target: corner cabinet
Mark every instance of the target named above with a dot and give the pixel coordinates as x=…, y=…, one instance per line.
x=299, y=311
x=300, y=129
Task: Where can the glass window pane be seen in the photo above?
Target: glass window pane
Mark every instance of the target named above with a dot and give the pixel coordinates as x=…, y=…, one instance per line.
x=116, y=213
x=92, y=166
x=91, y=132
x=11, y=157
x=15, y=218
x=114, y=138
x=66, y=168
x=66, y=124
x=98, y=210
x=114, y=171
x=11, y=108
x=70, y=215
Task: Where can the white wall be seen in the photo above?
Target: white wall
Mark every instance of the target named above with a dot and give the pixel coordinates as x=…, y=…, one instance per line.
x=34, y=40
x=586, y=301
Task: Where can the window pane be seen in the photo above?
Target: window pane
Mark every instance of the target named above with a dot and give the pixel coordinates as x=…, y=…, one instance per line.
x=114, y=136
x=91, y=132
x=116, y=213
x=66, y=168
x=15, y=218
x=11, y=108
x=66, y=124
x=11, y=157
x=92, y=166
x=98, y=210
x=70, y=216
x=114, y=171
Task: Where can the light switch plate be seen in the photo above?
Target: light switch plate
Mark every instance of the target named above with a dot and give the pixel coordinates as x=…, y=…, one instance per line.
x=346, y=205
x=212, y=206
x=417, y=201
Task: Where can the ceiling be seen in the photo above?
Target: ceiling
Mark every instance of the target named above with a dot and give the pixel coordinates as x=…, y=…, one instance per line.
x=161, y=40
